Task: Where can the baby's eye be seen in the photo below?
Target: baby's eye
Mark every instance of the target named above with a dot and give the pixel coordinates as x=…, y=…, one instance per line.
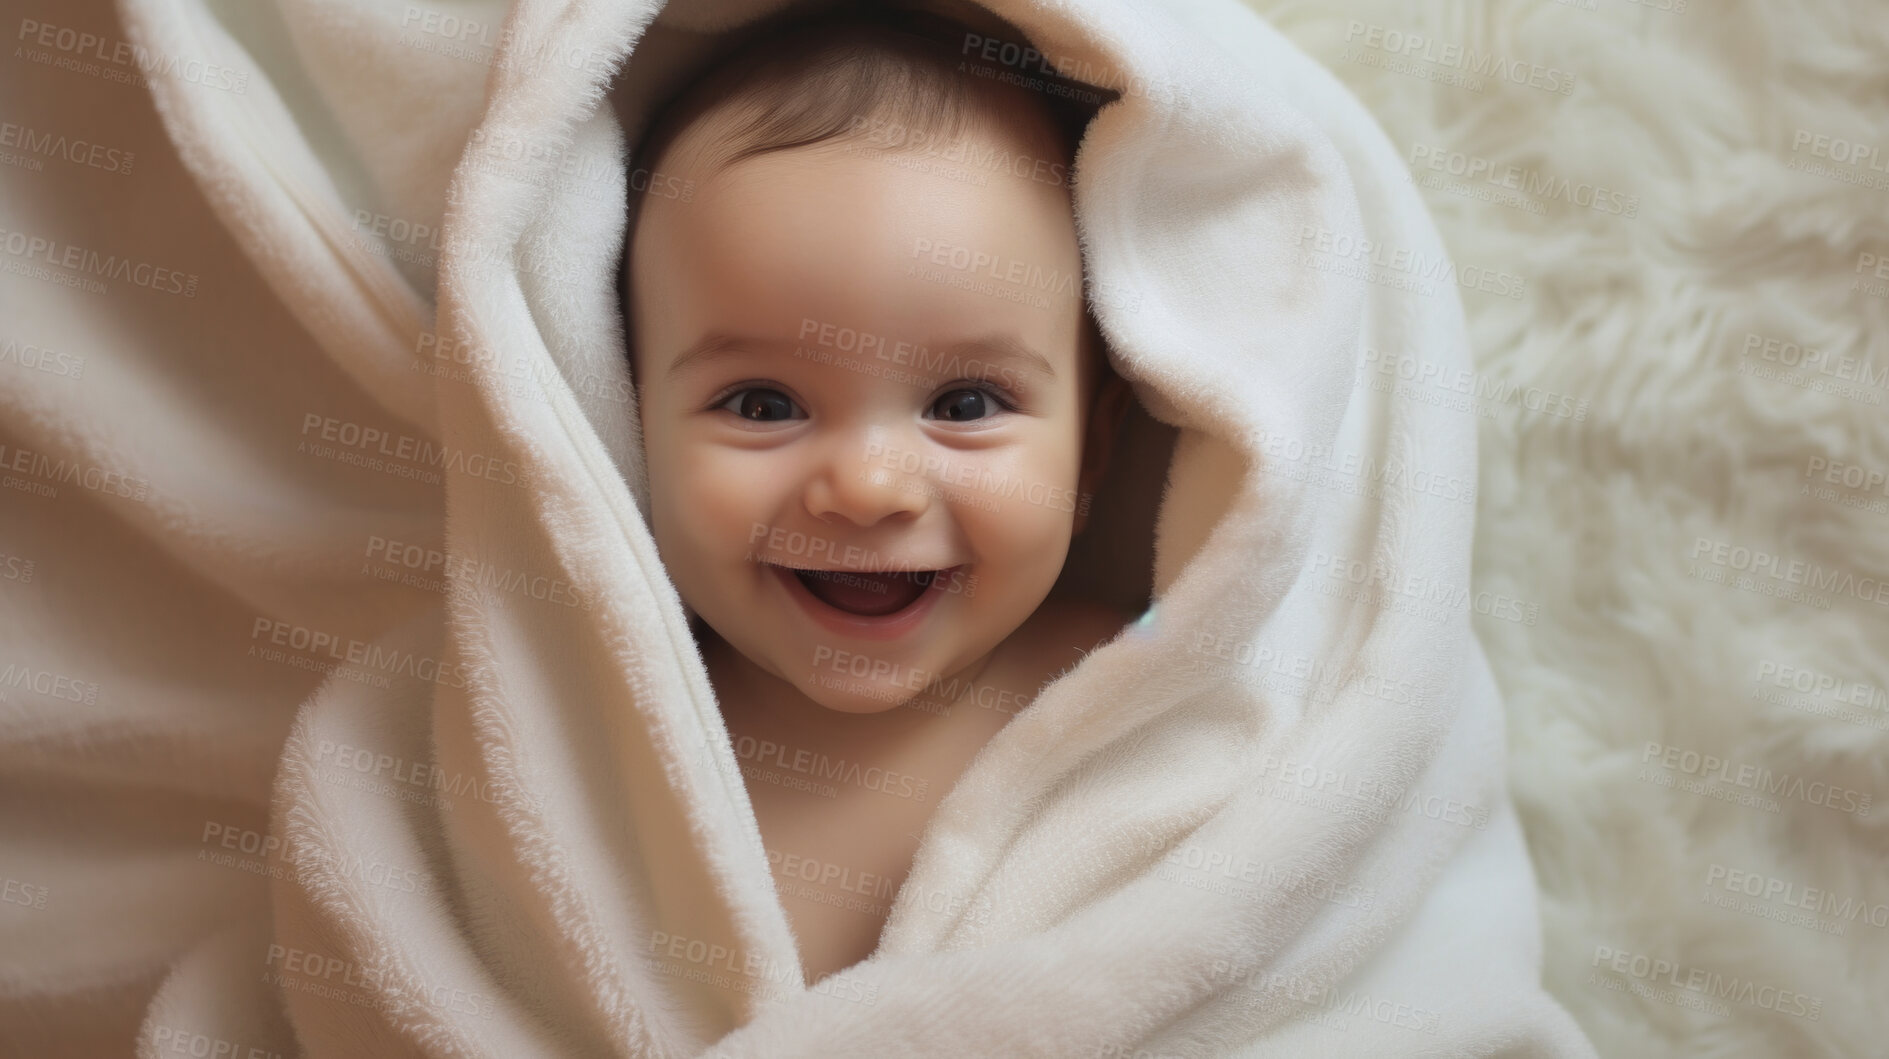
x=967, y=404
x=761, y=404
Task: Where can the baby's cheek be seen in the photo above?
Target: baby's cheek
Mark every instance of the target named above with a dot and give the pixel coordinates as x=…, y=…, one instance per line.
x=1028, y=528
x=722, y=503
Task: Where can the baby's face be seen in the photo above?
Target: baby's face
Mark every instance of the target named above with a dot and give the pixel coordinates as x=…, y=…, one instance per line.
x=825, y=385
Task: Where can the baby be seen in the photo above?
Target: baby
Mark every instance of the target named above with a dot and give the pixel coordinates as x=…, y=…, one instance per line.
x=874, y=407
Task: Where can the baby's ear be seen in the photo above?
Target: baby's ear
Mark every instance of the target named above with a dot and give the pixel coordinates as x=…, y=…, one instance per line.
x=1098, y=441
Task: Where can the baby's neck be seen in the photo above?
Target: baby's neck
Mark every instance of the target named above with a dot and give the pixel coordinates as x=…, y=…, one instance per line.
x=756, y=702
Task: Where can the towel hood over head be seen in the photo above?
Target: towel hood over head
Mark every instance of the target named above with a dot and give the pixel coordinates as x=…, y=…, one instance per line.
x=1268, y=819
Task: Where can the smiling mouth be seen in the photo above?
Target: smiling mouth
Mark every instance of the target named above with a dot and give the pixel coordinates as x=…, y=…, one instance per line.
x=866, y=593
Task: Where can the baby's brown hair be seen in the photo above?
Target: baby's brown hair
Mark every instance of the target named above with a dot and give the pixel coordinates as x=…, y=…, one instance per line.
x=889, y=74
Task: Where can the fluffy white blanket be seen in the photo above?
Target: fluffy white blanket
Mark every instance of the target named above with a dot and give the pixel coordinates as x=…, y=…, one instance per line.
x=1712, y=366
x=1270, y=819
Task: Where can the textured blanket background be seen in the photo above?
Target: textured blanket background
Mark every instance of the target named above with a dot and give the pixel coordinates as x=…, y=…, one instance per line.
x=1748, y=224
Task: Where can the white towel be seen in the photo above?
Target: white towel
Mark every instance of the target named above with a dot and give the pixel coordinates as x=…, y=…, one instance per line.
x=1269, y=819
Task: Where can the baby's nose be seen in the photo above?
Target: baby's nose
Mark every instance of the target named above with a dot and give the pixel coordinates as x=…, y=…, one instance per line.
x=862, y=480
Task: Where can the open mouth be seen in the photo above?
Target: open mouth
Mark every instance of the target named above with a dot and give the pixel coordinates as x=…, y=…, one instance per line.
x=866, y=604
x=867, y=594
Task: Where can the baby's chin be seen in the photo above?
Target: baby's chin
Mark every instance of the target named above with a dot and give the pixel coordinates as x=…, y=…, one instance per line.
x=841, y=693
x=837, y=692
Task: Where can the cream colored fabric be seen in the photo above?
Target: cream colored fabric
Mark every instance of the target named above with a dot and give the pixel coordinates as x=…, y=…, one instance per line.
x=504, y=817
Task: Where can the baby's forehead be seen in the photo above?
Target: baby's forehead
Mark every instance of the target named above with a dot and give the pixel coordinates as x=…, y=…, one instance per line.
x=858, y=237
x=982, y=142
x=987, y=202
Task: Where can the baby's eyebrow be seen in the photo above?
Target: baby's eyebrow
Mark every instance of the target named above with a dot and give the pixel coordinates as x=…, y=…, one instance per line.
x=1000, y=347
x=718, y=344
x=987, y=349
